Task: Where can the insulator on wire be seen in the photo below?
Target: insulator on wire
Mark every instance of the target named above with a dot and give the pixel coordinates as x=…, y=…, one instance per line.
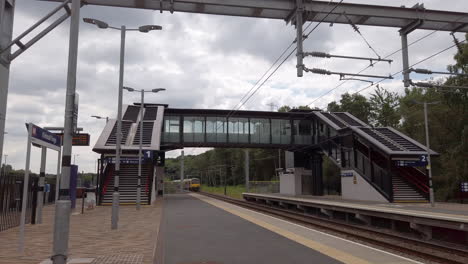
x=317, y=54
x=320, y=71
x=351, y=23
x=422, y=71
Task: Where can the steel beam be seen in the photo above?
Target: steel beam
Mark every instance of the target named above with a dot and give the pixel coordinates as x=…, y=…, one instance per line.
x=370, y=15
x=299, y=37
x=7, y=9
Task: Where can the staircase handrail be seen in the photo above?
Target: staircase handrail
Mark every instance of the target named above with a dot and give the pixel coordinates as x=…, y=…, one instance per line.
x=107, y=179
x=147, y=183
x=415, y=181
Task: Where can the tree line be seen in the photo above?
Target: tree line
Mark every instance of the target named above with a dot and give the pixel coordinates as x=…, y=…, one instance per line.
x=448, y=130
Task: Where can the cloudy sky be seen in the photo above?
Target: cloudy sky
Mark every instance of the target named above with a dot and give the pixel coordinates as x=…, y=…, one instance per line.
x=203, y=61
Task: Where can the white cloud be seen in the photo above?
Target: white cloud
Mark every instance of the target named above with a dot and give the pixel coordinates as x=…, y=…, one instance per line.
x=203, y=61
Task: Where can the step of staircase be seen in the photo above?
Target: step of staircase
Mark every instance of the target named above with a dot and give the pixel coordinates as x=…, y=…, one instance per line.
x=405, y=193
x=128, y=179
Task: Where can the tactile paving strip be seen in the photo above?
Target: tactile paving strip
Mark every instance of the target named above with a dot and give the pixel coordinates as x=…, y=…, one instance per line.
x=119, y=259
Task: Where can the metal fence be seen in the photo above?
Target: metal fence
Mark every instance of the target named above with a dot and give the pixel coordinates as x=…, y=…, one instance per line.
x=11, y=194
x=264, y=186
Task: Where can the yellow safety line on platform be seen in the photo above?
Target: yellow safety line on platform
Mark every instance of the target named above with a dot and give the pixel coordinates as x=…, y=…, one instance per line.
x=326, y=250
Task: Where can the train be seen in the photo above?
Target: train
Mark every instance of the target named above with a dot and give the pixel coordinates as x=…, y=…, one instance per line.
x=192, y=184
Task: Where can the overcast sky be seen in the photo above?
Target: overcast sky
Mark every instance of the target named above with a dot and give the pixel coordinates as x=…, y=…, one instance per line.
x=204, y=61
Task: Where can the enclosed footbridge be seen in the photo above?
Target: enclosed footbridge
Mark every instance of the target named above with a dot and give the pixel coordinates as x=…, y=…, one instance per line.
x=391, y=163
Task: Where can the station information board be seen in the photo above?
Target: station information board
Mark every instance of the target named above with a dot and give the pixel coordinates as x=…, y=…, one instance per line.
x=464, y=186
x=81, y=139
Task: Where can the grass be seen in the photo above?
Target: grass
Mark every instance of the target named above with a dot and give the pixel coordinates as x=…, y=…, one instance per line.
x=232, y=191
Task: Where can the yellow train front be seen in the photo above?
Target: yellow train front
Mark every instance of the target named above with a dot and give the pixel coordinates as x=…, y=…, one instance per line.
x=194, y=185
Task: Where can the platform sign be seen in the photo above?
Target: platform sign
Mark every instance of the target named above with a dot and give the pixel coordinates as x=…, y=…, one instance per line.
x=44, y=138
x=347, y=174
x=464, y=187
x=413, y=163
x=126, y=160
x=148, y=154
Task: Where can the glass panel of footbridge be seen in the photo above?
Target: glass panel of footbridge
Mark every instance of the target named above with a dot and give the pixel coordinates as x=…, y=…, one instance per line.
x=216, y=129
x=171, y=129
x=194, y=129
x=260, y=131
x=281, y=131
x=303, y=132
x=238, y=129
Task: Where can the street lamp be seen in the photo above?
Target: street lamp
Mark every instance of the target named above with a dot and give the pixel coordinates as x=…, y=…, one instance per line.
x=429, y=167
x=4, y=165
x=138, y=200
x=100, y=117
x=123, y=30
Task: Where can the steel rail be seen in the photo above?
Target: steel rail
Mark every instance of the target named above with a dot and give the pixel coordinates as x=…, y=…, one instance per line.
x=444, y=253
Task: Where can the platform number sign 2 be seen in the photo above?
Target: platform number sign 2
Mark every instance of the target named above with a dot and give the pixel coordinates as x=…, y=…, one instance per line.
x=423, y=159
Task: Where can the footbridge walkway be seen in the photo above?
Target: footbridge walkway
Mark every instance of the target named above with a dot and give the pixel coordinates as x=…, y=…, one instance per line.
x=377, y=163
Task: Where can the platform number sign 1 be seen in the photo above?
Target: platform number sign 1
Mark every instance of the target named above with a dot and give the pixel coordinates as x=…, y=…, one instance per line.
x=147, y=154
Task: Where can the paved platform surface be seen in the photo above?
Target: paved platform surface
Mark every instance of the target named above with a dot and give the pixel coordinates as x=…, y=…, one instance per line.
x=91, y=238
x=446, y=211
x=199, y=229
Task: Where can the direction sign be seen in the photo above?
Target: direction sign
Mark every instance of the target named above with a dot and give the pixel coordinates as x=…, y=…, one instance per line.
x=126, y=160
x=42, y=137
x=413, y=163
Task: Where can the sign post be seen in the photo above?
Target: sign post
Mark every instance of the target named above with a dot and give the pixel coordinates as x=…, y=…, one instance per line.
x=44, y=139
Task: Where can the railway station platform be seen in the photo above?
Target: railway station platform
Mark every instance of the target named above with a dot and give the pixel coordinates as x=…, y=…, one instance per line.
x=200, y=229
x=445, y=221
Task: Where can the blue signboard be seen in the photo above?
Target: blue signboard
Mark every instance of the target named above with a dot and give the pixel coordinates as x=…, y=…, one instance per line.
x=413, y=163
x=42, y=137
x=148, y=154
x=347, y=174
x=464, y=187
x=126, y=160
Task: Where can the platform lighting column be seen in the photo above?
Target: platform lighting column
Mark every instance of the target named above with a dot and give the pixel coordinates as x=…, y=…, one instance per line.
x=123, y=30
x=140, y=150
x=182, y=170
x=247, y=170
x=40, y=194
x=429, y=165
x=4, y=165
x=115, y=194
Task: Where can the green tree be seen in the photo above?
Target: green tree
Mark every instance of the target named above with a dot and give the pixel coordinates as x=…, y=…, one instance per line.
x=384, y=107
x=284, y=108
x=355, y=104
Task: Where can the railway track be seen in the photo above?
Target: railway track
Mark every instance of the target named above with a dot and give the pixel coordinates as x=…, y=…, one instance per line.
x=425, y=250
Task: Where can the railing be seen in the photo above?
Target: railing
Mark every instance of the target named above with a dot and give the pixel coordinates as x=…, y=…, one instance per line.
x=378, y=177
x=409, y=175
x=11, y=195
x=107, y=178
